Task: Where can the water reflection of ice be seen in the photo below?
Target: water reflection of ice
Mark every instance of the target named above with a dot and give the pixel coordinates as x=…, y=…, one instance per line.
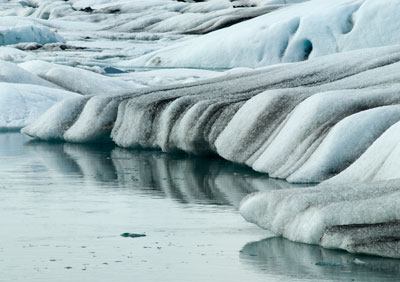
x=284, y=258
x=184, y=178
x=72, y=195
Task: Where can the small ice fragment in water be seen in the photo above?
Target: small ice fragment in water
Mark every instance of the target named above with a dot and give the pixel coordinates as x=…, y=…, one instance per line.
x=357, y=261
x=132, y=235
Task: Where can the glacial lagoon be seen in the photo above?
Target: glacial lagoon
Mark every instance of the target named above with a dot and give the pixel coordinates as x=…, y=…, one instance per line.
x=65, y=207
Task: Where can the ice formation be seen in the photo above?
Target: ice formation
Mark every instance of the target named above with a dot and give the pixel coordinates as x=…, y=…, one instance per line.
x=15, y=30
x=356, y=217
x=298, y=32
x=320, y=104
x=304, y=122
x=21, y=104
x=79, y=80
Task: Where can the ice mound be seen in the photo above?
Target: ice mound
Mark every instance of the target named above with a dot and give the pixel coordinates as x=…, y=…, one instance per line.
x=11, y=73
x=360, y=218
x=11, y=54
x=14, y=30
x=304, y=122
x=79, y=80
x=174, y=16
x=21, y=104
x=292, y=33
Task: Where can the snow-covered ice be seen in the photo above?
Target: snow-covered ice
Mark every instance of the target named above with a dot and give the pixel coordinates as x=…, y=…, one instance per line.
x=79, y=80
x=15, y=30
x=298, y=32
x=292, y=121
x=21, y=104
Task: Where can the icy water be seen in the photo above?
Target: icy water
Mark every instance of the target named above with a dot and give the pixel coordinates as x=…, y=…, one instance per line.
x=64, y=207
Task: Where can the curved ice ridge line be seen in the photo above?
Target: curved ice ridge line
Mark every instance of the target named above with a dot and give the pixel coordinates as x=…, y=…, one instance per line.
x=304, y=122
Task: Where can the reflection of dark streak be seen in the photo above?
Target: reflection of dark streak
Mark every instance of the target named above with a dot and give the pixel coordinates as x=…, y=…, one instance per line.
x=283, y=258
x=55, y=153
x=184, y=178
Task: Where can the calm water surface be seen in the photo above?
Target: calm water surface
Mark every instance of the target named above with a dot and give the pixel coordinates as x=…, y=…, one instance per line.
x=64, y=206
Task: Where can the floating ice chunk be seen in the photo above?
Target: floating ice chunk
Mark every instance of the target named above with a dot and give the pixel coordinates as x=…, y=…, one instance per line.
x=21, y=104
x=358, y=261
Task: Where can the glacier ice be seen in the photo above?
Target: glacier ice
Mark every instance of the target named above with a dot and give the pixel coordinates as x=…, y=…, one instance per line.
x=295, y=33
x=321, y=105
x=276, y=120
x=331, y=215
x=11, y=73
x=376, y=239
x=15, y=30
x=315, y=118
x=78, y=80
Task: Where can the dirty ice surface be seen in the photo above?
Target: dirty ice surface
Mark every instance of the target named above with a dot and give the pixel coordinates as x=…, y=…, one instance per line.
x=66, y=206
